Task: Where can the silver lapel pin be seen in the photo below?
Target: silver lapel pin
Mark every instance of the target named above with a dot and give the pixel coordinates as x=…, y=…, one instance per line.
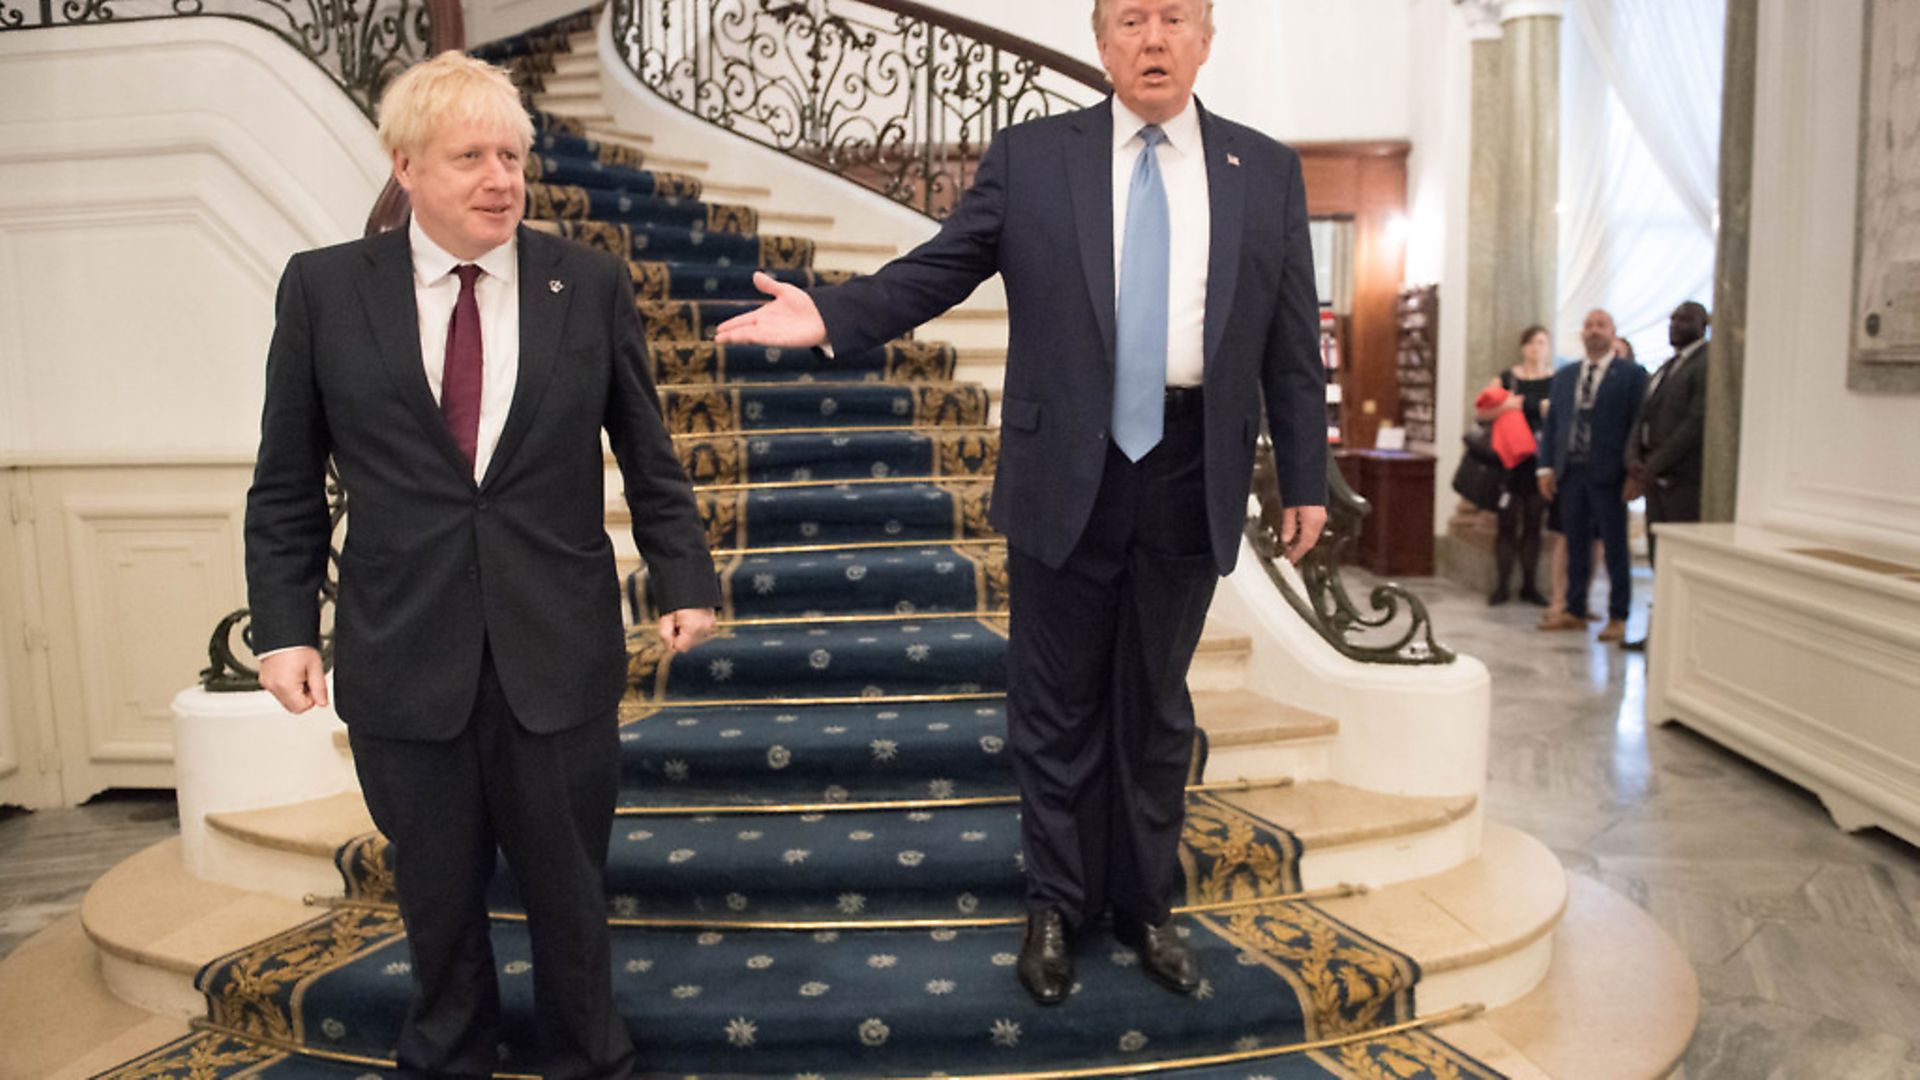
x=1233, y=160
x=556, y=285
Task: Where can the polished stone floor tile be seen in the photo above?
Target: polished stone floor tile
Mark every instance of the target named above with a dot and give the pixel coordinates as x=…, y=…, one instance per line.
x=1804, y=937
x=48, y=858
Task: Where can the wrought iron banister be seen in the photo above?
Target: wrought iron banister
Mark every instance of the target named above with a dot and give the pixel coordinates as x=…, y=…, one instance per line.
x=895, y=95
x=360, y=46
x=1322, y=598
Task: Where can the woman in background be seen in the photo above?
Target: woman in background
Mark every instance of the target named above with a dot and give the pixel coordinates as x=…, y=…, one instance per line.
x=1527, y=384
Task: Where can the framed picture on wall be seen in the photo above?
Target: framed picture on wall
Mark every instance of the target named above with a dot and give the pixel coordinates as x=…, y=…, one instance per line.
x=1886, y=277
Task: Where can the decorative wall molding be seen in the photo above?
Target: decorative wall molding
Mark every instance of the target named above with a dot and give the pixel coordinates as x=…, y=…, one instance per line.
x=238, y=154
x=1808, y=667
x=1816, y=458
x=146, y=572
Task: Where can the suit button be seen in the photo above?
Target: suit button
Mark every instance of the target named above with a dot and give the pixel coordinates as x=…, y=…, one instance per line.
x=481, y=505
x=473, y=573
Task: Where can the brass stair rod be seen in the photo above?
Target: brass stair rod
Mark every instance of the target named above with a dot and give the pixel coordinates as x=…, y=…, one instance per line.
x=961, y=802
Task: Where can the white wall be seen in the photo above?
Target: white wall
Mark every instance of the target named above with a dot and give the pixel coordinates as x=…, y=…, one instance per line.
x=490, y=20
x=1299, y=70
x=154, y=178
x=1816, y=458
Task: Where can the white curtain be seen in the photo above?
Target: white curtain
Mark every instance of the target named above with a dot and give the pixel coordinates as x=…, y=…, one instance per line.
x=1639, y=163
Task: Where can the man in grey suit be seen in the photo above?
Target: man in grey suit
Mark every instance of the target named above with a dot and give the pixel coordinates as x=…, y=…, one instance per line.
x=1160, y=292
x=1664, y=452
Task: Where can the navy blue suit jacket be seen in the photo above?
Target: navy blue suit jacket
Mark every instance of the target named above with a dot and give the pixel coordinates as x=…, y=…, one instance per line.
x=1040, y=213
x=1615, y=405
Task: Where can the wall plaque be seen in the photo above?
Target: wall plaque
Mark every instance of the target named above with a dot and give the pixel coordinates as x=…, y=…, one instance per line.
x=1886, y=277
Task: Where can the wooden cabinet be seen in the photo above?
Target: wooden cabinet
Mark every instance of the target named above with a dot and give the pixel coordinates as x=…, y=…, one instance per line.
x=1397, y=538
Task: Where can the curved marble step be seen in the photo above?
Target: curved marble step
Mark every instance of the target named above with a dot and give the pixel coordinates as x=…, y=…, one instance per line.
x=1619, y=1002
x=884, y=1002
x=155, y=925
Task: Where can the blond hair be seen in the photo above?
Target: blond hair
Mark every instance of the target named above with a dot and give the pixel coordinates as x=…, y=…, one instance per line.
x=451, y=86
x=1100, y=10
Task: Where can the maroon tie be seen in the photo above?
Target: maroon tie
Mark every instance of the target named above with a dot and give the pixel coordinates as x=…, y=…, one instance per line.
x=460, y=381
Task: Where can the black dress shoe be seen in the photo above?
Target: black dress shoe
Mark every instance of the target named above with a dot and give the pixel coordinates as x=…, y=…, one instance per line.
x=1500, y=596
x=1532, y=596
x=1166, y=959
x=1636, y=645
x=1046, y=964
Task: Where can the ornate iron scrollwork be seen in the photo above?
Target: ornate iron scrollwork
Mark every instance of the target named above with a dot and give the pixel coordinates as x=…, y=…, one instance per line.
x=360, y=46
x=1325, y=604
x=225, y=672
x=903, y=101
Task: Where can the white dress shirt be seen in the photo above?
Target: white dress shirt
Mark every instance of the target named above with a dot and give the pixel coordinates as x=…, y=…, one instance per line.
x=435, y=289
x=1183, y=171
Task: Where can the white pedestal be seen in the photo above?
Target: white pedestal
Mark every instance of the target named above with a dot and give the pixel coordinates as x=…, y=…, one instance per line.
x=242, y=751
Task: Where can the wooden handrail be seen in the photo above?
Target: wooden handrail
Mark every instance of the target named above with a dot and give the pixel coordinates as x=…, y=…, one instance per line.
x=449, y=31
x=1078, y=70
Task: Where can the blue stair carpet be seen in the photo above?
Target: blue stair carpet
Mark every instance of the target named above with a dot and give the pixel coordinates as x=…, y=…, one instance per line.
x=870, y=453
x=586, y=167
x=834, y=763
x=569, y=202
x=666, y=243
x=663, y=280
x=554, y=141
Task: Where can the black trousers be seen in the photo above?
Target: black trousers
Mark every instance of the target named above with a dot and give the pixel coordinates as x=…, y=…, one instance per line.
x=1100, y=724
x=449, y=809
x=1664, y=504
x=1589, y=509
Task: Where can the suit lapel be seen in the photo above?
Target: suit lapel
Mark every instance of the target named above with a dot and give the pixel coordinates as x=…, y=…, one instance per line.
x=387, y=291
x=1090, y=189
x=1226, y=195
x=543, y=312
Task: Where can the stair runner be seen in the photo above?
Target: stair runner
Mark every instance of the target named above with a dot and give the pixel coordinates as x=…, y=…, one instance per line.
x=861, y=666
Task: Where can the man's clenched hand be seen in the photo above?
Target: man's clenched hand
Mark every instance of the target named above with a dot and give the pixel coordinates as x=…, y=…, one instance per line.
x=295, y=678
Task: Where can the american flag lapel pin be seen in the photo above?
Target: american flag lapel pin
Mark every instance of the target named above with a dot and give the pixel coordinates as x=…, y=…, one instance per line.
x=1233, y=160
x=556, y=285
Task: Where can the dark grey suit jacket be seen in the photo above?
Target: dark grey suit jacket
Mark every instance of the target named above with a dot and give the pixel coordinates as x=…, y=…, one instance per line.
x=1040, y=213
x=1670, y=430
x=435, y=567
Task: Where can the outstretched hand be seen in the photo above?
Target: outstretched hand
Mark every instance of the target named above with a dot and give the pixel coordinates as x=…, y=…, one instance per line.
x=790, y=319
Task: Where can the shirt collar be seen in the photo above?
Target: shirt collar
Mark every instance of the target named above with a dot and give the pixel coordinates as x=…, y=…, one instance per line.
x=1690, y=350
x=1183, y=131
x=431, y=262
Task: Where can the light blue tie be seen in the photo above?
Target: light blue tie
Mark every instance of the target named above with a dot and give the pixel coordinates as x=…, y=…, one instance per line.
x=1140, y=344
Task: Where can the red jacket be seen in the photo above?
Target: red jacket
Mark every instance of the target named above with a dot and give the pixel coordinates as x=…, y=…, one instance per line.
x=1511, y=437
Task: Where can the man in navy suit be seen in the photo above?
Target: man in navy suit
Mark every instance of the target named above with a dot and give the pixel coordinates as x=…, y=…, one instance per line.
x=1583, y=464
x=459, y=372
x=1160, y=292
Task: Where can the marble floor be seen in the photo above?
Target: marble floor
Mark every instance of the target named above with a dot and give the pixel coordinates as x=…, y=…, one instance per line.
x=48, y=858
x=1806, y=939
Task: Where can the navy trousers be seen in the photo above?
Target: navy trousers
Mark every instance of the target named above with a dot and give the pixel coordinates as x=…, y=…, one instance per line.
x=1587, y=510
x=1100, y=724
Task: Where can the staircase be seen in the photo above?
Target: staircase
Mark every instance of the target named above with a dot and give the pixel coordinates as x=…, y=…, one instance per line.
x=815, y=867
